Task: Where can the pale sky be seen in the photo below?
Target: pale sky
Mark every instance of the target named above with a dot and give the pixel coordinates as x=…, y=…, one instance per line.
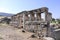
x=15, y=6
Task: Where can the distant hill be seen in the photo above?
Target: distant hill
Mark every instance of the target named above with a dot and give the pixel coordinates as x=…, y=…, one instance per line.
x=5, y=14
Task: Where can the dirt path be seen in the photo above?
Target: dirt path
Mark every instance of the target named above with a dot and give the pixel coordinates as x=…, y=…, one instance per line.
x=9, y=33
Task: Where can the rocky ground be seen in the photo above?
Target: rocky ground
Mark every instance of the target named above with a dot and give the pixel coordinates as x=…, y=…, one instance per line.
x=10, y=33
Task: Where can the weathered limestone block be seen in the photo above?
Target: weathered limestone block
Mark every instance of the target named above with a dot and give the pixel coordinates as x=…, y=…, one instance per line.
x=26, y=17
x=32, y=16
x=49, y=17
x=56, y=34
x=44, y=9
x=39, y=16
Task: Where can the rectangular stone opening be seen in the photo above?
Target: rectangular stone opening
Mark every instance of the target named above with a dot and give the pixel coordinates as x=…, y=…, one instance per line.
x=43, y=16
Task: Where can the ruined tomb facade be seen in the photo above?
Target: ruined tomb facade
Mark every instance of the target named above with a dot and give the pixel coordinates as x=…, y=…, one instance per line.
x=32, y=20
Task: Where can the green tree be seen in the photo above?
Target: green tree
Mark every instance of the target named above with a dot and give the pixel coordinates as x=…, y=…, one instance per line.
x=58, y=20
x=6, y=20
x=53, y=20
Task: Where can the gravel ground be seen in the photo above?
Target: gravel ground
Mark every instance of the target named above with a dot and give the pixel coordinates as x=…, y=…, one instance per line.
x=10, y=33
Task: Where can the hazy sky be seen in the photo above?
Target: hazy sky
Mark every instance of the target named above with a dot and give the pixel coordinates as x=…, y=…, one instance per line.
x=15, y=6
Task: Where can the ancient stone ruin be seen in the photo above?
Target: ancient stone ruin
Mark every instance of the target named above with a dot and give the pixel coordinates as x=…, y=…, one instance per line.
x=33, y=21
